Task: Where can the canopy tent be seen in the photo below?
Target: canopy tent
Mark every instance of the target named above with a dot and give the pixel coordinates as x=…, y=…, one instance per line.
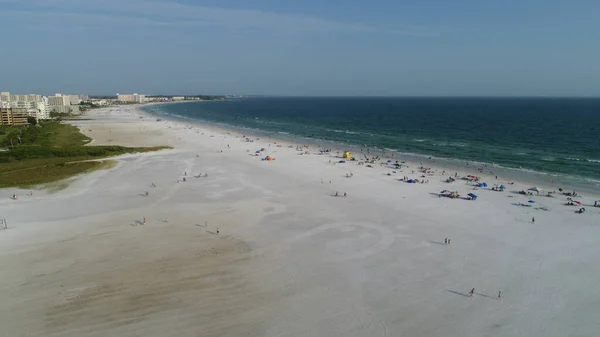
x=535, y=189
x=472, y=195
x=484, y=184
x=347, y=155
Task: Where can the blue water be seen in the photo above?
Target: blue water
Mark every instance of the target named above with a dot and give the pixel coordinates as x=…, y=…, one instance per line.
x=558, y=136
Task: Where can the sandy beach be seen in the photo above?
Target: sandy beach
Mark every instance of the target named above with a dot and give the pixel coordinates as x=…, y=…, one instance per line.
x=247, y=247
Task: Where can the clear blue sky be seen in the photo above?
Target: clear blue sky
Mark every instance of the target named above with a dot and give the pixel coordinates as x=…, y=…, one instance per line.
x=308, y=47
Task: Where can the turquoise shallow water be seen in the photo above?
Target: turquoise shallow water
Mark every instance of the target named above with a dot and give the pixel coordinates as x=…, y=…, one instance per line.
x=559, y=137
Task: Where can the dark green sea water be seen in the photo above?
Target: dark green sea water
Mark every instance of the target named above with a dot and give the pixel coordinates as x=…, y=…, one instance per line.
x=559, y=137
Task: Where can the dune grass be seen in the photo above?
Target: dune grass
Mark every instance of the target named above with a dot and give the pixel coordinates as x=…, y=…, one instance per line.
x=55, y=151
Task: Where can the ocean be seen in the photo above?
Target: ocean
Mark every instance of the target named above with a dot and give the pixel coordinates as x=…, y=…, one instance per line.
x=543, y=138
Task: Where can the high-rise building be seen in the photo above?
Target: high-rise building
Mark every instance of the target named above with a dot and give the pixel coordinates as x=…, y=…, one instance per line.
x=34, y=98
x=59, y=100
x=135, y=98
x=74, y=99
x=13, y=116
x=4, y=96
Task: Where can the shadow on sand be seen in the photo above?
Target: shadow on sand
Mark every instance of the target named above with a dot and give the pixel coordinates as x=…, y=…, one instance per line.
x=486, y=296
x=438, y=243
x=458, y=293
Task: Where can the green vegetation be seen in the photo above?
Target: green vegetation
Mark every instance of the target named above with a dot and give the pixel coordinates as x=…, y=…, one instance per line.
x=6, y=130
x=53, y=151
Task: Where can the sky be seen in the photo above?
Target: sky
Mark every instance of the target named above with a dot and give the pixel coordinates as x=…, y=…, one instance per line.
x=305, y=48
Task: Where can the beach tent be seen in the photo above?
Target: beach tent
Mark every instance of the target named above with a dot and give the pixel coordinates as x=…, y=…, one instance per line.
x=483, y=185
x=472, y=195
x=347, y=155
x=535, y=189
x=531, y=201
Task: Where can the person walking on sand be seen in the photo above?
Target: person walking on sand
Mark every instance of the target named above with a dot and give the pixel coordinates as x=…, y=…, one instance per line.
x=336, y=194
x=167, y=219
x=499, y=294
x=446, y=241
x=532, y=219
x=345, y=195
x=217, y=230
x=472, y=292
x=146, y=193
x=144, y=220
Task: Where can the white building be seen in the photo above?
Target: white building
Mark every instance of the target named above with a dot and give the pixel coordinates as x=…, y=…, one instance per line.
x=135, y=98
x=4, y=96
x=34, y=98
x=74, y=99
x=42, y=111
x=59, y=100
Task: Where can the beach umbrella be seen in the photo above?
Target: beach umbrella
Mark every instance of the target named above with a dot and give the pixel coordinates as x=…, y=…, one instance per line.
x=578, y=202
x=535, y=189
x=531, y=201
x=389, y=161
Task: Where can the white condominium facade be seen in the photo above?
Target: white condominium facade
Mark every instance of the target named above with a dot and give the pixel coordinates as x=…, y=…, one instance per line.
x=135, y=98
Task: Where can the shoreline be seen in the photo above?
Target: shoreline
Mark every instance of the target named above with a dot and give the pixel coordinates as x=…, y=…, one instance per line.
x=522, y=176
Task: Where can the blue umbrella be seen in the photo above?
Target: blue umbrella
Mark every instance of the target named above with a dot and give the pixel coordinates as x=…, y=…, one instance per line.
x=532, y=201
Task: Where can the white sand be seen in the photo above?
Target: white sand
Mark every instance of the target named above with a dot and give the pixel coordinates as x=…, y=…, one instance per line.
x=290, y=259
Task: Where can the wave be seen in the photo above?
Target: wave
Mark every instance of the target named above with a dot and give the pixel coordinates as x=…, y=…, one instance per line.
x=451, y=144
x=579, y=159
x=420, y=140
x=548, y=159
